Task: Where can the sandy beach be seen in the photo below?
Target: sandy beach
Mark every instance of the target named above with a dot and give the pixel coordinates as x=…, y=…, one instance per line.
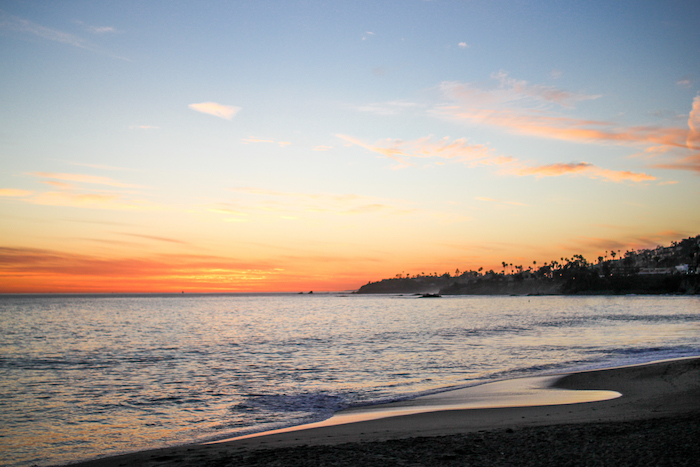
x=654, y=420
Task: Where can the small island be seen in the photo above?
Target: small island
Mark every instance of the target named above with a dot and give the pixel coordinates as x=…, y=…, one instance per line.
x=673, y=269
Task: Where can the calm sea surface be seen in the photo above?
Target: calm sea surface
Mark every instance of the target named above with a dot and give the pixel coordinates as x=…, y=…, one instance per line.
x=83, y=376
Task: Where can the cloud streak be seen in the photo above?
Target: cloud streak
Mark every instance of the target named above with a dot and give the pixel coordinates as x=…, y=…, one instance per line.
x=42, y=270
x=458, y=150
x=519, y=107
x=72, y=193
x=259, y=140
x=475, y=155
x=155, y=238
x=82, y=178
x=10, y=22
x=693, y=140
x=14, y=193
x=227, y=112
x=47, y=268
x=586, y=169
x=16, y=24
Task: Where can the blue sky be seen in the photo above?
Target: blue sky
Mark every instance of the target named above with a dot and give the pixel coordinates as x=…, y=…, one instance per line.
x=284, y=144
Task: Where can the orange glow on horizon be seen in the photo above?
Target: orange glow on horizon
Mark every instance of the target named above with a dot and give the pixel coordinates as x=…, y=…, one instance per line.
x=31, y=270
x=43, y=271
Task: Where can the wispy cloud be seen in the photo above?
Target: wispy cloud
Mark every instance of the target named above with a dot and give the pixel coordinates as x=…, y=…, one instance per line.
x=587, y=169
x=512, y=90
x=323, y=148
x=474, y=155
x=684, y=82
x=100, y=166
x=226, y=112
x=569, y=129
x=228, y=211
x=259, y=140
x=10, y=22
x=44, y=270
x=57, y=184
x=14, y=193
x=510, y=93
x=458, y=150
x=462, y=45
x=57, y=267
x=693, y=140
x=76, y=190
x=82, y=178
x=519, y=107
x=92, y=200
x=690, y=161
x=154, y=237
x=95, y=29
x=101, y=29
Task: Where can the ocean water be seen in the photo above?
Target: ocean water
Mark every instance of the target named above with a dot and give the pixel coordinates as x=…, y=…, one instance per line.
x=83, y=376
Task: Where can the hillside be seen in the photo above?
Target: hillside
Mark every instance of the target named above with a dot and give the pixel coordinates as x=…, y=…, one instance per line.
x=663, y=270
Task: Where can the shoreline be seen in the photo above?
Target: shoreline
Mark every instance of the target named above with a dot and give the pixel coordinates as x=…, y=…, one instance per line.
x=661, y=397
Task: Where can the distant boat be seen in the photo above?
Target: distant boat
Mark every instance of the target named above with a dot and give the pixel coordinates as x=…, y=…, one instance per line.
x=431, y=295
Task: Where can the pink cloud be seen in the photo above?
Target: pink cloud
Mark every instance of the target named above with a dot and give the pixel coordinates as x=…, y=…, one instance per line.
x=474, y=155
x=522, y=108
x=693, y=140
x=226, y=112
x=584, y=168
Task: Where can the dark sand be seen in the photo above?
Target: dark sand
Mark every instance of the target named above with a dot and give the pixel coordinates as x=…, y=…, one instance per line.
x=656, y=421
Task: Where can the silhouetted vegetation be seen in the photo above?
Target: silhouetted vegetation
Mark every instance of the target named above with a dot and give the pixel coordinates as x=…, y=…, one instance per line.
x=674, y=269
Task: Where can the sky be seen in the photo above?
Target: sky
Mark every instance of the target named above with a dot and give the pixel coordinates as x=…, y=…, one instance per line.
x=260, y=146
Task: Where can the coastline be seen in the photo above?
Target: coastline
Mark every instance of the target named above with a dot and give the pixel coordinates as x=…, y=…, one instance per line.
x=660, y=399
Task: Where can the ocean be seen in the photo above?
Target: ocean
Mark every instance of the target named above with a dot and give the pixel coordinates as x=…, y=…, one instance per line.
x=83, y=376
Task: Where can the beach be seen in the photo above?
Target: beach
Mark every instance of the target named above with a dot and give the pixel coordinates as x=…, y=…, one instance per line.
x=654, y=421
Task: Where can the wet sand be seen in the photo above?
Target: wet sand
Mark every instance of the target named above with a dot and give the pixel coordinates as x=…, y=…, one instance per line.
x=655, y=421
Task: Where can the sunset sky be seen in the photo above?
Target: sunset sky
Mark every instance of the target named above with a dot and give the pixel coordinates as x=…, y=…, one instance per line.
x=317, y=145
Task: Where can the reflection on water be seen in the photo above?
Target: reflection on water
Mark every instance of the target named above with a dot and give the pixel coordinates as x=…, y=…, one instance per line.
x=88, y=375
x=520, y=392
